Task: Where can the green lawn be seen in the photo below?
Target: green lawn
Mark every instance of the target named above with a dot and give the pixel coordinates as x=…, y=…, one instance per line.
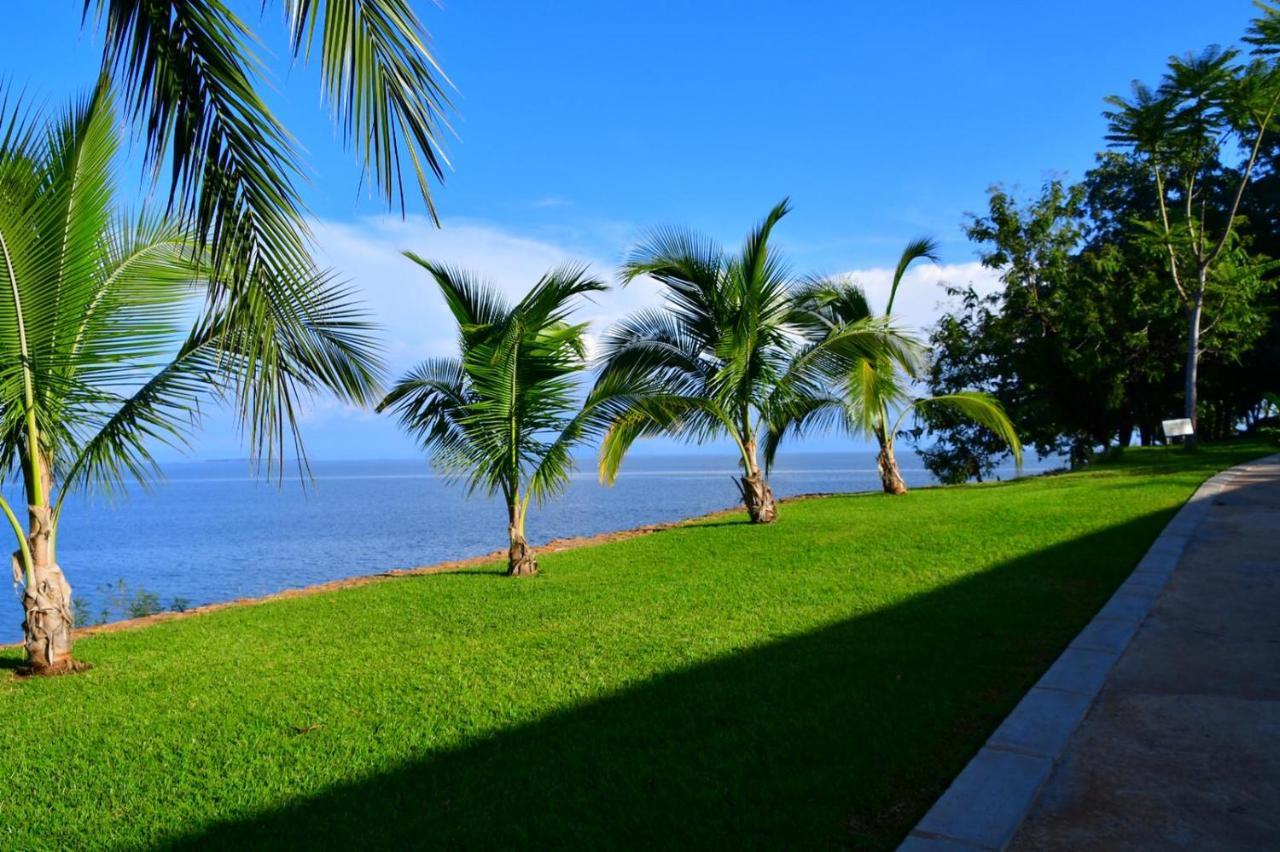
x=813, y=683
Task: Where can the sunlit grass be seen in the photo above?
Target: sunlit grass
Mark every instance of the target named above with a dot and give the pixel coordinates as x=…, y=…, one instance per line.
x=816, y=682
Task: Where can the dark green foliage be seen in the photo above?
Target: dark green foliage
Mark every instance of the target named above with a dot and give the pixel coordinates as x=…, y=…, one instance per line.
x=1165, y=246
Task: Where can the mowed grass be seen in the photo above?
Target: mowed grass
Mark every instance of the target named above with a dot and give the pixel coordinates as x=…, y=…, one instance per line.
x=815, y=683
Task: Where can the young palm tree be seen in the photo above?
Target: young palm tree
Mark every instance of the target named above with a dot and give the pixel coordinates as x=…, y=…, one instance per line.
x=99, y=355
x=875, y=396
x=723, y=359
x=503, y=415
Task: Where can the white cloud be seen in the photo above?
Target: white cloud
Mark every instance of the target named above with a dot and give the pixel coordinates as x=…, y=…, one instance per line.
x=405, y=301
x=415, y=323
x=921, y=298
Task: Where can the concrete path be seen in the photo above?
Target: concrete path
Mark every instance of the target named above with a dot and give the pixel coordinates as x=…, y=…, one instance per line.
x=1159, y=728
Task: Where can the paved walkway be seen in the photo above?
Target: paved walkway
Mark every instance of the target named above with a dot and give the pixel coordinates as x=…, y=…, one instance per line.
x=1176, y=742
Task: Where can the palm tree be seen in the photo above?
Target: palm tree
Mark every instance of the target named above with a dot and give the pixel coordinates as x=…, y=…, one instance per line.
x=193, y=87
x=722, y=360
x=503, y=415
x=99, y=356
x=875, y=397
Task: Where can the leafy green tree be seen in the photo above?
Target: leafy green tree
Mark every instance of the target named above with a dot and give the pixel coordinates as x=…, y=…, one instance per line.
x=727, y=355
x=1206, y=104
x=504, y=415
x=99, y=357
x=874, y=394
x=1083, y=340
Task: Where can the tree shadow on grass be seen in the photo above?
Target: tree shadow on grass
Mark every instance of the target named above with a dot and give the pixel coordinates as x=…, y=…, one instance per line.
x=838, y=737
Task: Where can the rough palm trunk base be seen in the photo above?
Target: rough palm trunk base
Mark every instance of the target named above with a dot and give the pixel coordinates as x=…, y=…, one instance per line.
x=890, y=477
x=758, y=498
x=46, y=604
x=520, y=559
x=47, y=624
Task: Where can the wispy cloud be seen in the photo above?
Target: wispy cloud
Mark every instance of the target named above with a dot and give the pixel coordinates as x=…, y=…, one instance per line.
x=550, y=201
x=407, y=303
x=415, y=323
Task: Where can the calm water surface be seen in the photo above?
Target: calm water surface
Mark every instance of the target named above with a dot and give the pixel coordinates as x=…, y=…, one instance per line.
x=210, y=532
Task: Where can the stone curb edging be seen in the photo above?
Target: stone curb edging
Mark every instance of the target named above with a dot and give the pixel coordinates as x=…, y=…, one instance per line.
x=988, y=800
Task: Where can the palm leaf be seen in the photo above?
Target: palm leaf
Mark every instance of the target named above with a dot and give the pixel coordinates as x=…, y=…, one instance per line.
x=921, y=248
x=981, y=408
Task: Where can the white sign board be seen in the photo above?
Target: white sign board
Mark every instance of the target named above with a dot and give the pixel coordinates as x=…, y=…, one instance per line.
x=1178, y=428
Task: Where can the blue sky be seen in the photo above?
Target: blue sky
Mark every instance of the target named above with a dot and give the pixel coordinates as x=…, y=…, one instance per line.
x=580, y=124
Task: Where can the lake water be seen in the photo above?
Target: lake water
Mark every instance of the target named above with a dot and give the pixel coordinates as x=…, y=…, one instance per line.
x=210, y=532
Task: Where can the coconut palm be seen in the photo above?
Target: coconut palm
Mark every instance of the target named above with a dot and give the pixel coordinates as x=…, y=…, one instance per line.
x=192, y=85
x=723, y=358
x=874, y=395
x=504, y=415
x=99, y=354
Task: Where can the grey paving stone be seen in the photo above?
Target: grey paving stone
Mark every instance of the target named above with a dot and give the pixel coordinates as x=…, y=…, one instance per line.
x=985, y=803
x=1143, y=584
x=1147, y=575
x=1078, y=670
x=1127, y=607
x=1106, y=634
x=1042, y=722
x=1167, y=548
x=1162, y=563
x=1185, y=524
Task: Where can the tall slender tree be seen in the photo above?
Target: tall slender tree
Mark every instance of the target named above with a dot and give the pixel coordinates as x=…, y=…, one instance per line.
x=874, y=393
x=1206, y=105
x=503, y=415
x=99, y=358
x=724, y=358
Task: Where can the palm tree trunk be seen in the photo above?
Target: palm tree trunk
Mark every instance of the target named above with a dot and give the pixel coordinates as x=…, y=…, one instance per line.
x=887, y=464
x=46, y=602
x=757, y=496
x=520, y=559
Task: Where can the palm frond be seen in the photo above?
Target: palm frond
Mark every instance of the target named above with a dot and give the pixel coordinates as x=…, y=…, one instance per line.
x=921, y=248
x=756, y=258
x=165, y=410
x=470, y=299
x=981, y=408
x=192, y=75
x=388, y=94
x=292, y=336
x=797, y=415
x=821, y=304
x=655, y=414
